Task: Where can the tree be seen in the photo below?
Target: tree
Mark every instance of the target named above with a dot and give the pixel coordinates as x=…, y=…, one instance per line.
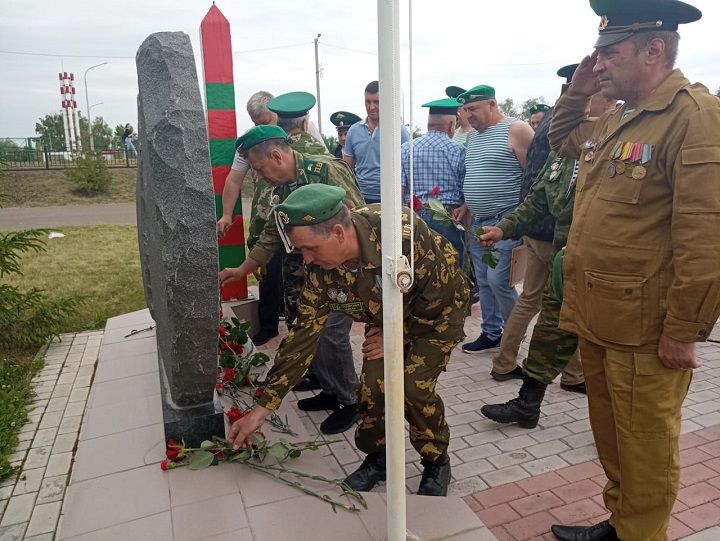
x=50, y=129
x=507, y=107
x=417, y=132
x=103, y=137
x=526, y=105
x=330, y=141
x=717, y=93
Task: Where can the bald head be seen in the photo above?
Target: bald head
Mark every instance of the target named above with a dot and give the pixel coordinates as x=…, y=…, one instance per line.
x=443, y=123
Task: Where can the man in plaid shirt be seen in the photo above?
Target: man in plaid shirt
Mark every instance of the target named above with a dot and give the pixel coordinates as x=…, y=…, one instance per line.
x=438, y=170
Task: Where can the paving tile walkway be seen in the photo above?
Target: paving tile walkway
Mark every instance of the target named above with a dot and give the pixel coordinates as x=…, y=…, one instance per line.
x=30, y=502
x=517, y=481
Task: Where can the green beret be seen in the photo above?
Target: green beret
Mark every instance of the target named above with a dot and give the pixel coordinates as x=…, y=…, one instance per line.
x=477, y=93
x=567, y=72
x=343, y=120
x=454, y=91
x=445, y=106
x=258, y=134
x=620, y=19
x=292, y=104
x=539, y=108
x=557, y=275
x=311, y=204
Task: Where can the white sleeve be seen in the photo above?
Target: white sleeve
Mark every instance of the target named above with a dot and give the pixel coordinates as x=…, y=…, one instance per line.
x=240, y=164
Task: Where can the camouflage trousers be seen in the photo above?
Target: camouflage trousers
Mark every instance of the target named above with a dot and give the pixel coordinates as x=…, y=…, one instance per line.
x=550, y=347
x=425, y=359
x=293, y=272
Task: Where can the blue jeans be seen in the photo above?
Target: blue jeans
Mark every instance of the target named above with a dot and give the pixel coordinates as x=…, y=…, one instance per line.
x=449, y=232
x=497, y=297
x=333, y=360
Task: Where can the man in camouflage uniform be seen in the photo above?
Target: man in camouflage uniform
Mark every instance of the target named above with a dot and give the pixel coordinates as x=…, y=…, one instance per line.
x=342, y=249
x=283, y=167
x=551, y=348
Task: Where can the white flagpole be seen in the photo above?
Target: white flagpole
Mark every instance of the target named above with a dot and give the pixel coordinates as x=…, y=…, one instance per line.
x=393, y=262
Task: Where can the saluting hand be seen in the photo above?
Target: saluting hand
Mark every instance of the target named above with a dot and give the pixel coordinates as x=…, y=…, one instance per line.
x=490, y=236
x=242, y=429
x=678, y=355
x=584, y=79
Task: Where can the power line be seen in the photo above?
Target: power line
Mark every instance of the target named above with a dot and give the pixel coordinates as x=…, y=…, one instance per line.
x=348, y=49
x=68, y=55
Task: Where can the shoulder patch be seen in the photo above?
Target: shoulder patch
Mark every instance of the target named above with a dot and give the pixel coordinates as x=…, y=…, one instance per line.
x=315, y=167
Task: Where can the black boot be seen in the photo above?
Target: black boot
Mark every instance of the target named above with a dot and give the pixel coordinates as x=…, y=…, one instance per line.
x=523, y=410
x=435, y=477
x=308, y=383
x=604, y=531
x=369, y=474
x=340, y=420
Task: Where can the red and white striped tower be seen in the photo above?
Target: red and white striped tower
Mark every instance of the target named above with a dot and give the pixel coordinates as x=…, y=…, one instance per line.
x=71, y=122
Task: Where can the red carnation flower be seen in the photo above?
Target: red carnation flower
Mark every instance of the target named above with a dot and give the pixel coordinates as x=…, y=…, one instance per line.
x=235, y=347
x=219, y=387
x=417, y=203
x=233, y=414
x=229, y=374
x=175, y=450
x=435, y=191
x=222, y=331
x=259, y=392
x=166, y=465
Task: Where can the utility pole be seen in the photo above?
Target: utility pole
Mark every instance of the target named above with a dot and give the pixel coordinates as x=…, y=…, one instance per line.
x=317, y=83
x=87, y=104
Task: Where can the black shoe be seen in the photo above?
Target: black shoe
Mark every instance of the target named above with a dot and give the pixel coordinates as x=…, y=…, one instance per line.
x=264, y=336
x=482, y=343
x=603, y=531
x=515, y=373
x=319, y=402
x=369, y=474
x=577, y=388
x=523, y=410
x=340, y=420
x=435, y=477
x=308, y=383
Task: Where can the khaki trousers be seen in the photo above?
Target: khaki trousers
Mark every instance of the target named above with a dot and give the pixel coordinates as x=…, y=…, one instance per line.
x=540, y=256
x=635, y=403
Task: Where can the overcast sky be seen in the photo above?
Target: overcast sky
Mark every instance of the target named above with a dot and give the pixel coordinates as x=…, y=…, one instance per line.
x=514, y=45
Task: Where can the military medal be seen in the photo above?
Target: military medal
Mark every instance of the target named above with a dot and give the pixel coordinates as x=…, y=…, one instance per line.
x=611, y=170
x=620, y=168
x=639, y=172
x=332, y=293
x=342, y=297
x=589, y=156
x=554, y=170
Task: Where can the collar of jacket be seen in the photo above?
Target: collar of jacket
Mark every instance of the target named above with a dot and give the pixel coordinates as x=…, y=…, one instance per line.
x=369, y=239
x=664, y=94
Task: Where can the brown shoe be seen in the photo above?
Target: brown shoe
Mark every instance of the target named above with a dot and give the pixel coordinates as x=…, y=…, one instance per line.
x=515, y=373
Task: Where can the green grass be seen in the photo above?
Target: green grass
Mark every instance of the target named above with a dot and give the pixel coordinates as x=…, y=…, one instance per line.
x=43, y=188
x=17, y=369
x=100, y=263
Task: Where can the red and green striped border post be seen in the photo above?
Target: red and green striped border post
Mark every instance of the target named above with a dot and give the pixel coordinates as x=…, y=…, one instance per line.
x=222, y=131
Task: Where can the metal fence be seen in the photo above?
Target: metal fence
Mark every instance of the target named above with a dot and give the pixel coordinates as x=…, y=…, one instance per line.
x=34, y=158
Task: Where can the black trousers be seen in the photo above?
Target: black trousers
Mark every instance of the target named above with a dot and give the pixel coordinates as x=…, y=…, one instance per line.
x=271, y=294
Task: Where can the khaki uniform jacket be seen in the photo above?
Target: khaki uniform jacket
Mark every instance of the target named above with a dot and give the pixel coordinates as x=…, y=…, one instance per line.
x=309, y=169
x=643, y=255
x=435, y=307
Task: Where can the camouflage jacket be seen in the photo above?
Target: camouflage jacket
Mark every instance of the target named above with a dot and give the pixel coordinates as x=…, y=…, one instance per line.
x=552, y=195
x=304, y=143
x=434, y=309
x=309, y=169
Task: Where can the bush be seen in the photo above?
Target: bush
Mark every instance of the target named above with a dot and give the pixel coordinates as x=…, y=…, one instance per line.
x=91, y=173
x=27, y=319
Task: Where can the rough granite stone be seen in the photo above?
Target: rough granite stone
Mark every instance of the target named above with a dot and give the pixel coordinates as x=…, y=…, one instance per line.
x=176, y=220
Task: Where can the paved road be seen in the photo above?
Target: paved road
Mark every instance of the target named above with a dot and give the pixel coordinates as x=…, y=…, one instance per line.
x=26, y=218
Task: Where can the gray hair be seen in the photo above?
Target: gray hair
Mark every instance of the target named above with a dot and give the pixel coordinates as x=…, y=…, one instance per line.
x=290, y=124
x=323, y=229
x=642, y=41
x=264, y=148
x=257, y=104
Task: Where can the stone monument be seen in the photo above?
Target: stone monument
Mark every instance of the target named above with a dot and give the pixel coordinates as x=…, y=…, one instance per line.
x=176, y=233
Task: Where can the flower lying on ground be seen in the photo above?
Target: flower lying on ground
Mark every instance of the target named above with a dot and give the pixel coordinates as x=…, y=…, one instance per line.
x=254, y=456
